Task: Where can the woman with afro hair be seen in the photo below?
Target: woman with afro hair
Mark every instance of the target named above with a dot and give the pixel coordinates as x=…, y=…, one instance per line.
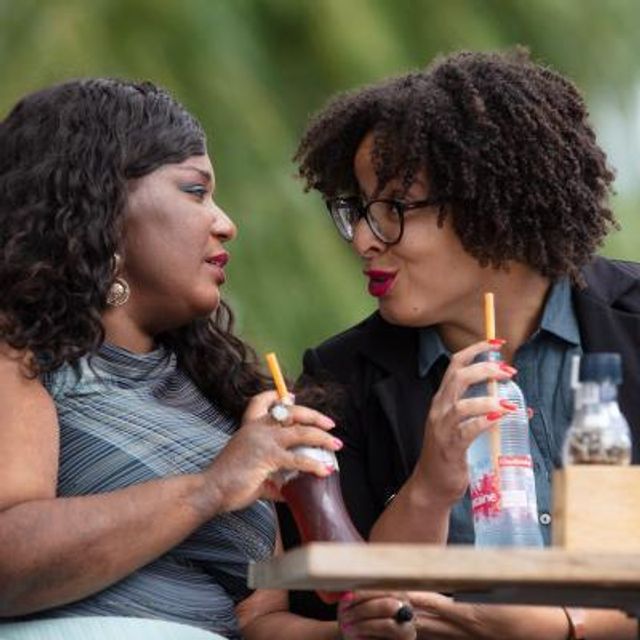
x=479, y=173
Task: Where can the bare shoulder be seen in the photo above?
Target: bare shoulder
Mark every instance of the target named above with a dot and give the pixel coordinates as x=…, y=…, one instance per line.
x=29, y=441
x=16, y=382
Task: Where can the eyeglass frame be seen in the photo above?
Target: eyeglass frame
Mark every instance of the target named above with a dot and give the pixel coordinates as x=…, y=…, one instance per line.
x=364, y=209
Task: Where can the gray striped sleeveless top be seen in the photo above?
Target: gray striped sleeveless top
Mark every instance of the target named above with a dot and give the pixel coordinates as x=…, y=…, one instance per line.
x=127, y=418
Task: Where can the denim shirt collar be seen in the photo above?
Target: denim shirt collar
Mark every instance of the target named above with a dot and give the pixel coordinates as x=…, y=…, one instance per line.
x=558, y=318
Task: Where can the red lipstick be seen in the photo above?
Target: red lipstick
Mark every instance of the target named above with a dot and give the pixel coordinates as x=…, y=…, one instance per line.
x=380, y=282
x=218, y=261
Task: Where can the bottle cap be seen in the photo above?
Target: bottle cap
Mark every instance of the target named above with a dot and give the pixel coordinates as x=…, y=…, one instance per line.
x=598, y=367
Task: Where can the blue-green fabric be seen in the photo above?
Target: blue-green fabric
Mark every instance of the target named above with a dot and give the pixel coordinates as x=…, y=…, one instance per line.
x=127, y=418
x=544, y=371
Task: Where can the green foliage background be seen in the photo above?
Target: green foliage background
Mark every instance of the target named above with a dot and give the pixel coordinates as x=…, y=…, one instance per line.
x=254, y=70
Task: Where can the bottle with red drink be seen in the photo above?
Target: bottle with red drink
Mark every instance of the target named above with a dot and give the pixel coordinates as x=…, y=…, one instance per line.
x=315, y=503
x=318, y=508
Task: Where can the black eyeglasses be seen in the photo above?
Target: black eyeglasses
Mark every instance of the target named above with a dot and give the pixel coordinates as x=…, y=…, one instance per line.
x=385, y=216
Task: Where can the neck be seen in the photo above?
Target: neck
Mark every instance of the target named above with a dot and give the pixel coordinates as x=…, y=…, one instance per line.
x=122, y=330
x=520, y=296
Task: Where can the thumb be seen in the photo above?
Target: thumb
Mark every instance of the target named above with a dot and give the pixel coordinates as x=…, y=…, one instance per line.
x=259, y=405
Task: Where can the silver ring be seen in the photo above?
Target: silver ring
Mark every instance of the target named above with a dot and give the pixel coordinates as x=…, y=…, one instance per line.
x=280, y=412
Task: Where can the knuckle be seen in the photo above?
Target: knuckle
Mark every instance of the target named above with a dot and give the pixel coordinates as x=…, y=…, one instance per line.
x=457, y=410
x=458, y=378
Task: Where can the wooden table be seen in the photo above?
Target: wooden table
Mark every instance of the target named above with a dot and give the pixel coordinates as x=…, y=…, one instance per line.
x=526, y=576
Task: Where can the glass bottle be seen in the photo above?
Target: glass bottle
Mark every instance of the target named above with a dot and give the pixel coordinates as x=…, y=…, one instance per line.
x=599, y=433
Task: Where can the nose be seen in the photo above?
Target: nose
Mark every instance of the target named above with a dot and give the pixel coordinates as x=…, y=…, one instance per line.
x=222, y=226
x=364, y=243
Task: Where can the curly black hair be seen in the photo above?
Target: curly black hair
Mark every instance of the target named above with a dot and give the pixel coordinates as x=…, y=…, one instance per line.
x=66, y=154
x=505, y=141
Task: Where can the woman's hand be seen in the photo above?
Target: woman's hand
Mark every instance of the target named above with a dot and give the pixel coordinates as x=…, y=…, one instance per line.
x=454, y=422
x=372, y=615
x=242, y=471
x=440, y=618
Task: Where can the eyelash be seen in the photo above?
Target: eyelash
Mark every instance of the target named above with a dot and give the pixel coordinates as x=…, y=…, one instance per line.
x=198, y=190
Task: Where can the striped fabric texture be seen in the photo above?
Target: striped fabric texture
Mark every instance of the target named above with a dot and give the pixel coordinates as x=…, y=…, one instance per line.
x=128, y=418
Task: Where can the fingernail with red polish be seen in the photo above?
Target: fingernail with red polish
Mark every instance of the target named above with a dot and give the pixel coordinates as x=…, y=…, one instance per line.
x=507, y=369
x=330, y=468
x=497, y=342
x=347, y=596
x=509, y=406
x=492, y=416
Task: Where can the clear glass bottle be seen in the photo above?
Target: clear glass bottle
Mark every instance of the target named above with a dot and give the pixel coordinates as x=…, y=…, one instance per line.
x=599, y=433
x=501, y=483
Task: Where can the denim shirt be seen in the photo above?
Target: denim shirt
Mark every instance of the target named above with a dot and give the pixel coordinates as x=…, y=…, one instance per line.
x=544, y=372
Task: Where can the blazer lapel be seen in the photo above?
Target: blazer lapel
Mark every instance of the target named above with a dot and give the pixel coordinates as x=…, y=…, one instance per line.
x=401, y=393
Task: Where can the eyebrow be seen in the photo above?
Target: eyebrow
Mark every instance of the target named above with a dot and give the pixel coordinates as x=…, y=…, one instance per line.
x=203, y=172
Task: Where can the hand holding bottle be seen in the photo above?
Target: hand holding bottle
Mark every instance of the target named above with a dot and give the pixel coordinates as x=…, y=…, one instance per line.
x=243, y=470
x=454, y=421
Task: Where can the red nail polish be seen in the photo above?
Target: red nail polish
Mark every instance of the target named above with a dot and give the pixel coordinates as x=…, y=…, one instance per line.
x=509, y=406
x=330, y=468
x=492, y=416
x=507, y=369
x=347, y=596
x=497, y=342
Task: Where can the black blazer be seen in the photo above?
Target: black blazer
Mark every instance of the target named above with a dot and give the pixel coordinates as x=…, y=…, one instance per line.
x=388, y=401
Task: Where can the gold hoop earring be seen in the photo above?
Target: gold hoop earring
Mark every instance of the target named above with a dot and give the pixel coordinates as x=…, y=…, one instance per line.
x=119, y=290
x=118, y=293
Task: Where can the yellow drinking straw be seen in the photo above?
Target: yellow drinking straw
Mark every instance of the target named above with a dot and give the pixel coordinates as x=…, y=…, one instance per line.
x=489, y=316
x=276, y=374
x=490, y=334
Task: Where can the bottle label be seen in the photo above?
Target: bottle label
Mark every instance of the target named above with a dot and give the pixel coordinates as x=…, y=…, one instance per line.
x=518, y=487
x=513, y=489
x=515, y=461
x=514, y=499
x=485, y=496
x=316, y=453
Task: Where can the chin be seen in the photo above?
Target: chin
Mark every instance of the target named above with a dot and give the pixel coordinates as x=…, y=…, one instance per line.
x=206, y=306
x=403, y=316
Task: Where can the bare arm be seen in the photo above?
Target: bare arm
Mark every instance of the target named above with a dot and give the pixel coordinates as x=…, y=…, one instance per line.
x=409, y=507
x=265, y=615
x=60, y=550
x=57, y=550
x=441, y=618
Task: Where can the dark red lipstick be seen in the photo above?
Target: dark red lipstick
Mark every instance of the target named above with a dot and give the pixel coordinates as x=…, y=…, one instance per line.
x=219, y=260
x=380, y=282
